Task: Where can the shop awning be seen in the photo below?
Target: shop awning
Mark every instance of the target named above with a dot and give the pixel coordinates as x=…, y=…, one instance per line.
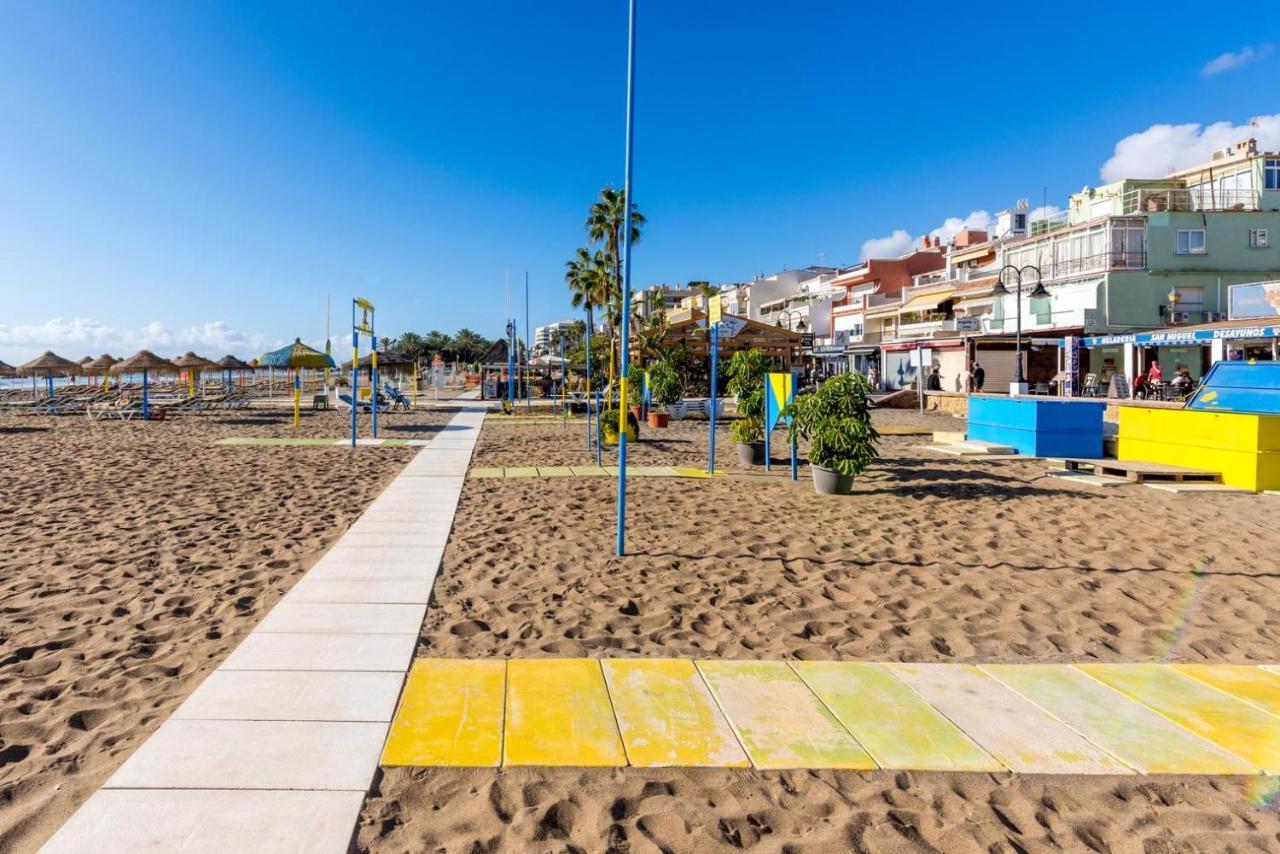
x=926, y=302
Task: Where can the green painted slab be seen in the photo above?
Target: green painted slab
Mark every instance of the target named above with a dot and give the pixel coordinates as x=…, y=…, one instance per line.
x=1245, y=730
x=1128, y=730
x=780, y=722
x=890, y=721
x=1021, y=735
x=1255, y=686
x=520, y=471
x=555, y=471
x=486, y=472
x=588, y=471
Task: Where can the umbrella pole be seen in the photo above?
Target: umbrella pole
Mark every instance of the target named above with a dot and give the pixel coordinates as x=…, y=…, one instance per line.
x=297, y=397
x=146, y=409
x=48, y=378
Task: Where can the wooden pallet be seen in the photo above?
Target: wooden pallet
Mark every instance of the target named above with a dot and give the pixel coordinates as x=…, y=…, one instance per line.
x=1141, y=472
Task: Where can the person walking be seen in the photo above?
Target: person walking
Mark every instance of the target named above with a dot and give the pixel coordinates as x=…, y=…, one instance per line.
x=979, y=377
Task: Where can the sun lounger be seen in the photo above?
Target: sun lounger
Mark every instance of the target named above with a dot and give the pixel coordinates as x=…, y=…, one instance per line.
x=398, y=400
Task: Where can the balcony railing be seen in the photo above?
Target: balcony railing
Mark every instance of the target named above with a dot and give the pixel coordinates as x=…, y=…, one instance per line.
x=1049, y=271
x=1052, y=222
x=1205, y=198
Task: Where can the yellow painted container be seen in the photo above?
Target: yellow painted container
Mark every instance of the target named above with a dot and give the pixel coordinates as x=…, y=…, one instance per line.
x=1244, y=447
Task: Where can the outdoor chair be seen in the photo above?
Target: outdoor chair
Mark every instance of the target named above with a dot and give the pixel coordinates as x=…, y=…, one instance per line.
x=398, y=400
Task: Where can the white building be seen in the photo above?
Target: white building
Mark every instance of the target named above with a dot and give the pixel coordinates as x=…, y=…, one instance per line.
x=544, y=336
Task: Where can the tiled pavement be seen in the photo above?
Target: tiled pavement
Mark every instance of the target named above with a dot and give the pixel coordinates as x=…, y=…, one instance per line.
x=1028, y=719
x=277, y=747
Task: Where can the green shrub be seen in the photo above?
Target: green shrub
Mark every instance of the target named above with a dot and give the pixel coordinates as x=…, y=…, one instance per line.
x=746, y=430
x=664, y=384
x=746, y=373
x=836, y=419
x=609, y=424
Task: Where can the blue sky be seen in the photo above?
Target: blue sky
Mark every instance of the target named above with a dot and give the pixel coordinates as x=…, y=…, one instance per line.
x=201, y=175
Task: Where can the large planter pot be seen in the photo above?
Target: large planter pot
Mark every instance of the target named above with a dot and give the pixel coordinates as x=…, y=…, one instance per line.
x=751, y=453
x=635, y=413
x=658, y=420
x=829, y=482
x=611, y=436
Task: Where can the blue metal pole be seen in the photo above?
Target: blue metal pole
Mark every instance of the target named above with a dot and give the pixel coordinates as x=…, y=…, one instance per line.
x=146, y=407
x=626, y=282
x=715, y=367
x=511, y=363
x=768, y=426
x=564, y=387
x=528, y=342
x=599, y=461
x=355, y=371
x=373, y=370
x=589, y=325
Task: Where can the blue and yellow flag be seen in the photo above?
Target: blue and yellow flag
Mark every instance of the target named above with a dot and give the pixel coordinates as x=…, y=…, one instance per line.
x=779, y=389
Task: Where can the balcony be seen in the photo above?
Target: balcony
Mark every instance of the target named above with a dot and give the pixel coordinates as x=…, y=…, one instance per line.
x=1201, y=198
x=926, y=328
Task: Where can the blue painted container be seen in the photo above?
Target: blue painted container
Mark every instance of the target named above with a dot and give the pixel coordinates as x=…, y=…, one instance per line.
x=1038, y=426
x=1252, y=387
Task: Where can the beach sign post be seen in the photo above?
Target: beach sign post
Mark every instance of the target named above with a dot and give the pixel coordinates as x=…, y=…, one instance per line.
x=363, y=324
x=779, y=390
x=564, y=379
x=715, y=311
x=588, y=340
x=628, y=204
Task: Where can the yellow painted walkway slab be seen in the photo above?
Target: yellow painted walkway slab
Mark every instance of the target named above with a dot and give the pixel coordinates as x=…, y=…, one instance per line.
x=1254, y=685
x=667, y=716
x=1245, y=730
x=689, y=471
x=555, y=471
x=486, y=471
x=588, y=471
x=891, y=721
x=779, y=721
x=520, y=471
x=450, y=714
x=1138, y=736
x=558, y=713
x=1022, y=736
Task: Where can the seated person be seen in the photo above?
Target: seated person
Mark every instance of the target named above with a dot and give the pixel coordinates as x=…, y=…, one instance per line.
x=1182, y=381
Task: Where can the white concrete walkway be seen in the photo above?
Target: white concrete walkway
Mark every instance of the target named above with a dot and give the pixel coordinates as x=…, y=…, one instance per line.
x=276, y=749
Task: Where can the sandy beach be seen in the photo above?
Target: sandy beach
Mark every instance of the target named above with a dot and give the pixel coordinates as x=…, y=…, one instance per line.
x=934, y=559
x=137, y=556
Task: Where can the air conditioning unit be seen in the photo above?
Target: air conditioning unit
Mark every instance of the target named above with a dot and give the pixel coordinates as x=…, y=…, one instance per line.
x=1181, y=316
x=1259, y=238
x=1214, y=316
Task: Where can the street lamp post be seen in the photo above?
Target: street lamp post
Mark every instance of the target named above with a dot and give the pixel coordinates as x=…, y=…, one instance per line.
x=1038, y=292
x=790, y=314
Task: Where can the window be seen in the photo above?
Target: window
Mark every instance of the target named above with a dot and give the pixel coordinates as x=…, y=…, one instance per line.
x=1272, y=174
x=1258, y=238
x=1190, y=241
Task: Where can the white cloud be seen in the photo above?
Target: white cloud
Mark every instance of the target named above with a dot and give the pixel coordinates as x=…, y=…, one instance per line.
x=900, y=241
x=75, y=337
x=891, y=246
x=1230, y=59
x=1160, y=149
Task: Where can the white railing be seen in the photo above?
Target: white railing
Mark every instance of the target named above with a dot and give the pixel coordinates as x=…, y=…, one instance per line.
x=1201, y=198
x=1051, y=222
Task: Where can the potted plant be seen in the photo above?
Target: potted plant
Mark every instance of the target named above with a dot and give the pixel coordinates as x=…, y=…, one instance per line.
x=836, y=419
x=666, y=389
x=748, y=438
x=746, y=372
x=635, y=387
x=609, y=427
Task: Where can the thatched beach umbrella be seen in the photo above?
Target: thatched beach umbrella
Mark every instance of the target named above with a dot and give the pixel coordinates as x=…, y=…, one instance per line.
x=297, y=356
x=101, y=367
x=193, y=364
x=7, y=370
x=230, y=363
x=48, y=363
x=145, y=361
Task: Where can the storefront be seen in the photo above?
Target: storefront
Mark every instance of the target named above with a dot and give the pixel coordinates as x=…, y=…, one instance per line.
x=1193, y=349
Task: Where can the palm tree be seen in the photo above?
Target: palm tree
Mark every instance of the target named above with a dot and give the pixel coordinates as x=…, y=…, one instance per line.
x=468, y=346
x=605, y=221
x=588, y=278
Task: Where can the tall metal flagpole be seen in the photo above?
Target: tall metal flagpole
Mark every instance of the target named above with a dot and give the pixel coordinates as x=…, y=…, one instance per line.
x=626, y=282
x=528, y=343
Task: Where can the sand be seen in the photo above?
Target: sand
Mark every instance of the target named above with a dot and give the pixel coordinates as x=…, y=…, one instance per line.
x=934, y=559
x=135, y=558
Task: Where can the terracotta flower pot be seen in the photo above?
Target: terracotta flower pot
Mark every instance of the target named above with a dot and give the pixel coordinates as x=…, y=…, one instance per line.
x=635, y=412
x=658, y=420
